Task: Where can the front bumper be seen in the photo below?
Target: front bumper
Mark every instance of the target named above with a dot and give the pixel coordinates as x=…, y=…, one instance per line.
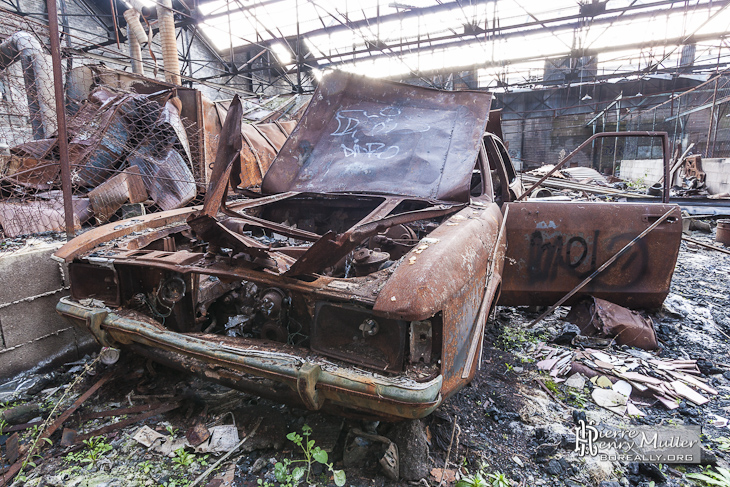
x=286, y=376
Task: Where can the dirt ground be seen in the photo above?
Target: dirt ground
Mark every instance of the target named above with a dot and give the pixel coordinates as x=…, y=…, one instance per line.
x=511, y=424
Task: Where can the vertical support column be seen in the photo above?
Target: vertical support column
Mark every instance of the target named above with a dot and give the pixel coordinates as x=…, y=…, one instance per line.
x=708, y=150
x=667, y=159
x=68, y=209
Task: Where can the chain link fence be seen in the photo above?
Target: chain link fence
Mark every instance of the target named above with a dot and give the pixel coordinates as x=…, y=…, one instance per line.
x=136, y=145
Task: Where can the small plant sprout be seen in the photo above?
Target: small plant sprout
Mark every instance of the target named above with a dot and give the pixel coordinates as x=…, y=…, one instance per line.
x=182, y=458
x=312, y=454
x=96, y=447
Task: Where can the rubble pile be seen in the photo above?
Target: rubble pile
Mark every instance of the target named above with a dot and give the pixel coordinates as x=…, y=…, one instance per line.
x=626, y=379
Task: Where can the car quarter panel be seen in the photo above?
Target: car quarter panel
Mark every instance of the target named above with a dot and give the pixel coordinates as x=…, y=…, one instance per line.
x=447, y=272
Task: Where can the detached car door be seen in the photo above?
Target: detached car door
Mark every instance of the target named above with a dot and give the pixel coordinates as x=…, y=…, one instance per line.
x=553, y=246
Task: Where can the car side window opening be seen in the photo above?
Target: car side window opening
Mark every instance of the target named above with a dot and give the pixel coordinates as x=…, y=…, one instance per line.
x=500, y=184
x=479, y=175
x=510, y=170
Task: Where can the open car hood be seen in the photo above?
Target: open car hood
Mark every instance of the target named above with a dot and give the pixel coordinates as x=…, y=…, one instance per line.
x=372, y=136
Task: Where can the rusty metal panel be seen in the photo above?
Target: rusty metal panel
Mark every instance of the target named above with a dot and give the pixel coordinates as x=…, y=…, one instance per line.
x=28, y=217
x=257, y=154
x=355, y=335
x=261, y=144
x=109, y=196
x=211, y=129
x=273, y=134
x=91, y=281
x=365, y=135
x=553, y=246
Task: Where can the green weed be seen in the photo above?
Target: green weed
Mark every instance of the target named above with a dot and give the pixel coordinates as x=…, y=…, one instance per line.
x=719, y=477
x=290, y=477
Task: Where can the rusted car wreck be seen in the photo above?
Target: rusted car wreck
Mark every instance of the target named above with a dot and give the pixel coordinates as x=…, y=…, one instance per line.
x=361, y=279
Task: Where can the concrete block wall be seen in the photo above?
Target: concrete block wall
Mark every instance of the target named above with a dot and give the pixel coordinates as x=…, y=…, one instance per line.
x=32, y=334
x=718, y=175
x=645, y=171
x=650, y=171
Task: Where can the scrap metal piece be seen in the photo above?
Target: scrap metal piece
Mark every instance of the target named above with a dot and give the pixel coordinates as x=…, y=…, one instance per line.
x=68, y=437
x=109, y=196
x=329, y=249
x=262, y=144
x=12, y=448
x=361, y=448
x=693, y=168
x=147, y=436
x=421, y=341
x=723, y=232
x=598, y=317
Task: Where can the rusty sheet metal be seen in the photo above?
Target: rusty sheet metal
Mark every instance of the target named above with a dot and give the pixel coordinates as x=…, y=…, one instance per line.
x=29, y=217
x=494, y=124
x=227, y=156
x=211, y=129
x=109, y=196
x=96, y=236
x=373, y=136
x=32, y=165
x=167, y=177
x=598, y=317
x=100, y=132
x=553, y=246
x=136, y=191
x=261, y=144
x=165, y=172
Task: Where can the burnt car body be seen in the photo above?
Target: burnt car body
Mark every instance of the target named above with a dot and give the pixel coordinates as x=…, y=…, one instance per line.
x=361, y=280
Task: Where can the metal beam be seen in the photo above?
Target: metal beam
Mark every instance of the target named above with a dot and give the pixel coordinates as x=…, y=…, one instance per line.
x=510, y=32
x=698, y=109
x=489, y=64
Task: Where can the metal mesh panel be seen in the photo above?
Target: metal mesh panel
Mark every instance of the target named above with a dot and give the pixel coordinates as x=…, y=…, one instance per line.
x=129, y=153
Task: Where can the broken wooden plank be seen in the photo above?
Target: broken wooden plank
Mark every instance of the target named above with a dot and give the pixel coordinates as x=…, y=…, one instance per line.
x=688, y=393
x=15, y=467
x=129, y=421
x=693, y=381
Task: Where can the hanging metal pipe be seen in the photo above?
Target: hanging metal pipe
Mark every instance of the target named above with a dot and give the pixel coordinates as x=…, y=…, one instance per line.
x=38, y=80
x=170, y=60
x=131, y=15
x=135, y=51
